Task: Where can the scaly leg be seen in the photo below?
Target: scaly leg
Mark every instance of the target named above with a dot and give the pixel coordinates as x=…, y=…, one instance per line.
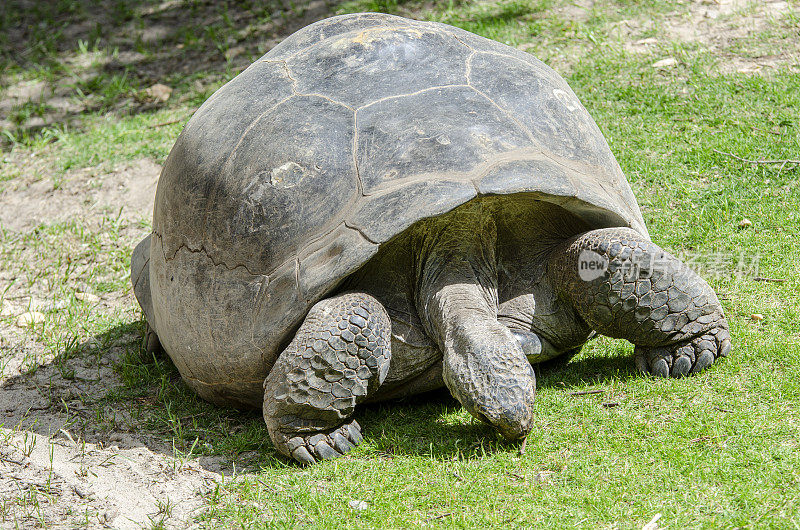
x=626, y=287
x=484, y=366
x=339, y=356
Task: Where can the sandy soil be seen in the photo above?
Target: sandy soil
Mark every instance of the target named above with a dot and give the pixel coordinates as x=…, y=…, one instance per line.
x=127, y=191
x=717, y=26
x=102, y=485
x=59, y=465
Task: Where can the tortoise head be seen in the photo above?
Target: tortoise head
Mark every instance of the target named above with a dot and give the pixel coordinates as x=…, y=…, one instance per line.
x=486, y=370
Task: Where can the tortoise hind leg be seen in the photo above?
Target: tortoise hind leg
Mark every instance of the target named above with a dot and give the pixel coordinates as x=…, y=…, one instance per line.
x=140, y=278
x=339, y=357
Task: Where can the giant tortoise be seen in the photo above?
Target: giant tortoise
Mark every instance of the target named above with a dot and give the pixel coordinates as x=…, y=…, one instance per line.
x=380, y=207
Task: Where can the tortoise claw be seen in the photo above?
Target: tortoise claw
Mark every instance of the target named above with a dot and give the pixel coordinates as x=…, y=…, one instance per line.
x=327, y=445
x=340, y=443
x=681, y=366
x=325, y=451
x=354, y=429
x=689, y=357
x=302, y=455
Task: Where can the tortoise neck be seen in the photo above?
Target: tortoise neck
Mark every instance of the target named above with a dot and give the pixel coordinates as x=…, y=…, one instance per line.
x=484, y=366
x=455, y=255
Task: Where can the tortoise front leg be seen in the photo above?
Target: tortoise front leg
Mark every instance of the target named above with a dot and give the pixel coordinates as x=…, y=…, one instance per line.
x=339, y=356
x=626, y=287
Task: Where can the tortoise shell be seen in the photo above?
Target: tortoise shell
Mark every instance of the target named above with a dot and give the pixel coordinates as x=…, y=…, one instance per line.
x=291, y=176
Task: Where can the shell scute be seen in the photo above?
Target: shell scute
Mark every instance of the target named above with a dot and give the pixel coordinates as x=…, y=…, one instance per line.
x=441, y=132
x=378, y=57
x=287, y=179
x=192, y=170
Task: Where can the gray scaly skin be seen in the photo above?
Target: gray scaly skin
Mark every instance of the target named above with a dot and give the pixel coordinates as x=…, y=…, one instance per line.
x=339, y=356
x=484, y=366
x=646, y=296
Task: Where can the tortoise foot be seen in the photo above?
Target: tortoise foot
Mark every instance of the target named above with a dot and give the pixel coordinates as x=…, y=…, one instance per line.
x=326, y=445
x=689, y=357
x=625, y=286
x=150, y=343
x=338, y=358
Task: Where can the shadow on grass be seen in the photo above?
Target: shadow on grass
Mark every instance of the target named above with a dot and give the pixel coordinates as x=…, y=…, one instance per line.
x=63, y=58
x=108, y=391
x=583, y=369
x=435, y=425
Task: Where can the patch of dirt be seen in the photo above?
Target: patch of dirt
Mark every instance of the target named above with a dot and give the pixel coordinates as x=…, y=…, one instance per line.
x=60, y=482
x=128, y=191
x=69, y=458
x=51, y=104
x=727, y=29
x=575, y=10
x=16, y=350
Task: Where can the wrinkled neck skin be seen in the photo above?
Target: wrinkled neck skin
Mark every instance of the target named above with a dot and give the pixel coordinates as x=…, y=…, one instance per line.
x=484, y=366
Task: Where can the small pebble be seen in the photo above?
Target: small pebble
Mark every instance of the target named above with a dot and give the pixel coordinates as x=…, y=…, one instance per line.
x=665, y=63
x=110, y=515
x=158, y=92
x=87, y=297
x=358, y=505
x=745, y=223
x=758, y=317
x=30, y=318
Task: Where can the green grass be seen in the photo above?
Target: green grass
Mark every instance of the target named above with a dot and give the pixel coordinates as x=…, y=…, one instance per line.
x=718, y=450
